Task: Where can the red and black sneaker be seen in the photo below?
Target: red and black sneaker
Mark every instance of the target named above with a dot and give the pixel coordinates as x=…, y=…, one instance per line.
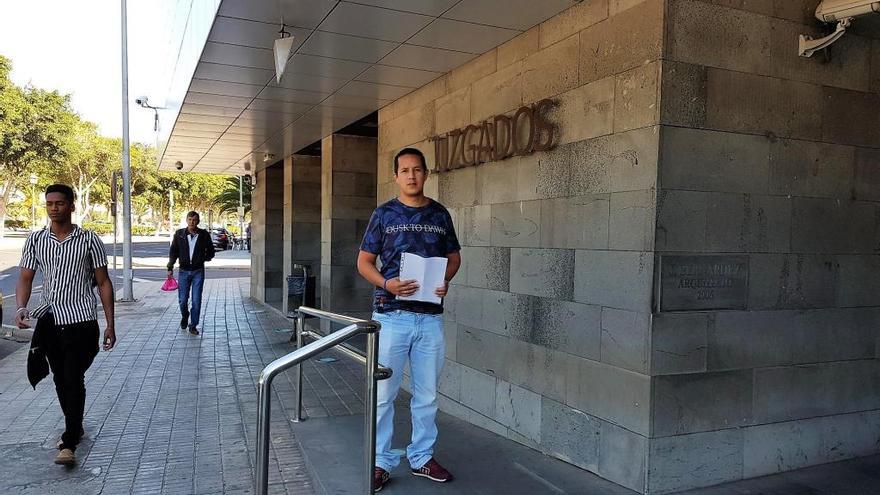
x=433, y=471
x=380, y=478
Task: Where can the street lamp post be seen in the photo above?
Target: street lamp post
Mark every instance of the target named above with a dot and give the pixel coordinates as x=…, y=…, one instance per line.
x=241, y=212
x=171, y=213
x=33, y=202
x=127, y=273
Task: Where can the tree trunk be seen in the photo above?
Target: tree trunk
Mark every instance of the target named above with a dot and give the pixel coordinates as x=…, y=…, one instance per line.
x=4, y=201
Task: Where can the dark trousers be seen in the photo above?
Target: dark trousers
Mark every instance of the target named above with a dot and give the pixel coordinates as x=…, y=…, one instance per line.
x=70, y=350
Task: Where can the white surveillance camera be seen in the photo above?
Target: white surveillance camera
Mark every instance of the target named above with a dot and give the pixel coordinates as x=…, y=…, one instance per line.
x=178, y=165
x=141, y=100
x=840, y=11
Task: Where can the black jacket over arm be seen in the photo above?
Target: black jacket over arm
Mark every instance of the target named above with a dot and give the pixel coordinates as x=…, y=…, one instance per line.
x=179, y=250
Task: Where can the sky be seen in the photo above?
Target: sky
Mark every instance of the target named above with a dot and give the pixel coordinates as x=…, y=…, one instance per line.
x=75, y=47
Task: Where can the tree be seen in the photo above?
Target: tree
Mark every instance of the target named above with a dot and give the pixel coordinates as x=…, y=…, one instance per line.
x=33, y=127
x=90, y=159
x=227, y=200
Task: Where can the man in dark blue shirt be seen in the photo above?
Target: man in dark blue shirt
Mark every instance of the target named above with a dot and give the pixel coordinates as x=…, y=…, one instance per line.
x=411, y=330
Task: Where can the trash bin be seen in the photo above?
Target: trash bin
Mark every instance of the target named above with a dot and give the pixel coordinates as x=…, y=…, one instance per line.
x=300, y=288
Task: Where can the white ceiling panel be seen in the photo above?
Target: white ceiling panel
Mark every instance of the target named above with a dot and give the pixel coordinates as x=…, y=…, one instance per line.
x=470, y=38
x=351, y=64
x=398, y=76
x=355, y=102
x=217, y=100
x=516, y=14
x=243, y=56
x=374, y=22
x=200, y=133
x=373, y=90
x=224, y=88
x=323, y=114
x=292, y=95
x=302, y=13
x=324, y=66
x=211, y=120
x=427, y=7
x=423, y=58
x=191, y=141
x=185, y=128
x=346, y=47
x=280, y=106
x=239, y=138
x=252, y=33
x=209, y=110
x=267, y=117
x=249, y=126
x=233, y=73
x=310, y=83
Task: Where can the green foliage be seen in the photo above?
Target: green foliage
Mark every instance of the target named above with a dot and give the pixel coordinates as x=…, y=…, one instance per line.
x=40, y=133
x=98, y=228
x=14, y=223
x=227, y=199
x=142, y=230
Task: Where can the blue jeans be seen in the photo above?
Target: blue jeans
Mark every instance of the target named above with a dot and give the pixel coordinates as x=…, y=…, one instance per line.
x=196, y=280
x=419, y=339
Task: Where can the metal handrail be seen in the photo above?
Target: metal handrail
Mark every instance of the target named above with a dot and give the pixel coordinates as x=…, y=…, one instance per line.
x=374, y=372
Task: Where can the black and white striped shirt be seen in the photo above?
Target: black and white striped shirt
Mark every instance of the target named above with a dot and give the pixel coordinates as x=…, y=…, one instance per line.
x=68, y=269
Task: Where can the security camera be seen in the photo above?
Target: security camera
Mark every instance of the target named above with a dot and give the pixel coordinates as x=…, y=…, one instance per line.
x=840, y=11
x=178, y=165
x=142, y=100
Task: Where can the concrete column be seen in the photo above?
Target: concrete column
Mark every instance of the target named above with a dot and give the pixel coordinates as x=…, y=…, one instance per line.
x=274, y=258
x=348, y=197
x=267, y=217
x=302, y=217
x=258, y=237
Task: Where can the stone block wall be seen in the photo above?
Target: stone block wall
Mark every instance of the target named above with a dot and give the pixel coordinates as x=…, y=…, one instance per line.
x=548, y=320
x=267, y=217
x=775, y=157
x=258, y=237
x=348, y=188
x=302, y=218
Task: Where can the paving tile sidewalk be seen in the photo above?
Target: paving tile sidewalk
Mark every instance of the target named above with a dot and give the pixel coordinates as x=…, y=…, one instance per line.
x=171, y=413
x=168, y=412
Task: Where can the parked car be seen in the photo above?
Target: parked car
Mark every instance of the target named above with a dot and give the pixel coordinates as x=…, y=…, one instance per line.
x=221, y=238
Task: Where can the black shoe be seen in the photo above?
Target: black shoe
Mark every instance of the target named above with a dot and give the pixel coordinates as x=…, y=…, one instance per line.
x=194, y=330
x=184, y=321
x=380, y=478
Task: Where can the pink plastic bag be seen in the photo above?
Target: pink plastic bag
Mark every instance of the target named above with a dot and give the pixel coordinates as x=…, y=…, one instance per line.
x=170, y=284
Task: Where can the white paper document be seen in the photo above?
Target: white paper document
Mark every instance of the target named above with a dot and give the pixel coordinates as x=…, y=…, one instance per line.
x=429, y=273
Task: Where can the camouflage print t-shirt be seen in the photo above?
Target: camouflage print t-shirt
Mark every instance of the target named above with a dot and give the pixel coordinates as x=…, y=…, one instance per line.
x=396, y=228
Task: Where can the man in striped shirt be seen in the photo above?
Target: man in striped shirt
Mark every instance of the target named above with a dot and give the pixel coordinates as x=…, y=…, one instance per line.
x=67, y=321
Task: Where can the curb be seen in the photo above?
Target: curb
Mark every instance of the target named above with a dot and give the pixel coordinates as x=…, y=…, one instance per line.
x=10, y=332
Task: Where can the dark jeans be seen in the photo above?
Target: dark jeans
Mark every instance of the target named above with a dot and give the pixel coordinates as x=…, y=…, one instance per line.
x=190, y=280
x=70, y=350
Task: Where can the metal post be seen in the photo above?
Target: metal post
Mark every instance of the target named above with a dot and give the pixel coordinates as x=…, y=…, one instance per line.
x=114, y=187
x=299, y=328
x=127, y=274
x=171, y=213
x=264, y=408
x=240, y=212
x=370, y=409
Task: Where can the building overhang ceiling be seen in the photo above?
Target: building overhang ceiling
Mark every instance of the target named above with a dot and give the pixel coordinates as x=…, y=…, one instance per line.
x=349, y=59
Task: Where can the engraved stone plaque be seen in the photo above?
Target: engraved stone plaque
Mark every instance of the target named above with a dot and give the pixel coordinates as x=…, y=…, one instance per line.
x=700, y=282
